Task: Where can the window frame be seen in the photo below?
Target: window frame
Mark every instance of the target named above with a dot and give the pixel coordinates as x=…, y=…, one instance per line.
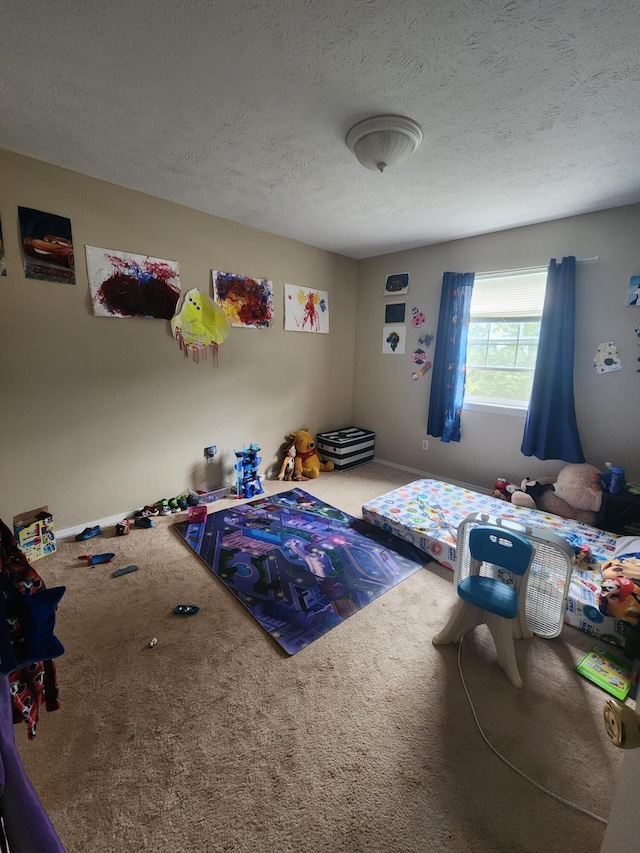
x=497, y=405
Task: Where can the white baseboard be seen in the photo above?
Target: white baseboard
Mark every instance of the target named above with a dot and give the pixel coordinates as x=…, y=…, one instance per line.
x=405, y=468
x=110, y=520
x=114, y=519
x=427, y=475
x=102, y=522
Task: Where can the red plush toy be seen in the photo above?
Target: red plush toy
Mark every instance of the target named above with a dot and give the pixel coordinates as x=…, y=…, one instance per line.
x=500, y=489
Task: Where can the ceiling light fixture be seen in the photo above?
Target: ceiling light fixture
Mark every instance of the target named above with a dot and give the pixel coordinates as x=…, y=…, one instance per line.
x=383, y=142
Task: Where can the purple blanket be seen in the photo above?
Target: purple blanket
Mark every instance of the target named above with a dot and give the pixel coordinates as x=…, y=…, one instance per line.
x=27, y=825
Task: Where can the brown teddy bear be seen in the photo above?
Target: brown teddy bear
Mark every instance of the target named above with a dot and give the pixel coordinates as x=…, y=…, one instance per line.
x=307, y=463
x=576, y=493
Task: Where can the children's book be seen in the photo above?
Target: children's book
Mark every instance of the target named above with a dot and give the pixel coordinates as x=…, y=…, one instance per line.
x=608, y=671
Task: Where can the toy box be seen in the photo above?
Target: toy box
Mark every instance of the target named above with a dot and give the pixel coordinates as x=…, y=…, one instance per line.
x=346, y=447
x=213, y=496
x=35, y=533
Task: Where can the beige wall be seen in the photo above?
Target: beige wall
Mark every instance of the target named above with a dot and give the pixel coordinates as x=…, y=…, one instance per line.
x=103, y=415
x=608, y=406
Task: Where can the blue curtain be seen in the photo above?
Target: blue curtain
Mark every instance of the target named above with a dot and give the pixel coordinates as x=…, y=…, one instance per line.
x=449, y=360
x=551, y=430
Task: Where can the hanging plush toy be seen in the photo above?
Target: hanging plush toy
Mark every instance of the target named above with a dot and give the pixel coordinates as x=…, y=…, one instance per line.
x=200, y=325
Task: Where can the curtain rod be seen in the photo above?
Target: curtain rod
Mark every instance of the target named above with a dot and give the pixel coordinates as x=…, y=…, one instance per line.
x=540, y=266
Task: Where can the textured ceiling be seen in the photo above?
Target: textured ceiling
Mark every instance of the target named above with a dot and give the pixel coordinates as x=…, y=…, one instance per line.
x=530, y=108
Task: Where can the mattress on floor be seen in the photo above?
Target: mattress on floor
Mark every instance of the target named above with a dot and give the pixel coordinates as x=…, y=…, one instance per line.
x=427, y=514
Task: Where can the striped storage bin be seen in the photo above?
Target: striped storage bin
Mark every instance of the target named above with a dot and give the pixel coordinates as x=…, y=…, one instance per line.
x=346, y=447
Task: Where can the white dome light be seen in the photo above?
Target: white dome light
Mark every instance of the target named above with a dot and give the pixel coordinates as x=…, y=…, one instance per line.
x=383, y=142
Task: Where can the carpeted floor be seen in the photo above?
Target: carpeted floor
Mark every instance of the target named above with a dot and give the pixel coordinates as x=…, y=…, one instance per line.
x=216, y=740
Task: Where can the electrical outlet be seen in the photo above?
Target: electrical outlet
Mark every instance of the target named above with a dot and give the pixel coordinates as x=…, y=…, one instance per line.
x=425, y=445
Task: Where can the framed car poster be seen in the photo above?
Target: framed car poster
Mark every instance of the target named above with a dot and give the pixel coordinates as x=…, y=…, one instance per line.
x=47, y=246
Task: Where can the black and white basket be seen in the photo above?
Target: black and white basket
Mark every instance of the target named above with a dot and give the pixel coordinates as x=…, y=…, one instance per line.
x=346, y=447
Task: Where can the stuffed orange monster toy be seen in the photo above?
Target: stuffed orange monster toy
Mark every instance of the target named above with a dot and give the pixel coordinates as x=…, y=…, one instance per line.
x=307, y=462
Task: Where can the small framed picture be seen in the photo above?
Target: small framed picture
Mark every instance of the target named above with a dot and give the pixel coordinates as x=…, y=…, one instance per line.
x=633, y=297
x=393, y=339
x=394, y=312
x=397, y=284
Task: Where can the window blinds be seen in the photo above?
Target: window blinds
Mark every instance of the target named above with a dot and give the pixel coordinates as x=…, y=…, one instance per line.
x=508, y=295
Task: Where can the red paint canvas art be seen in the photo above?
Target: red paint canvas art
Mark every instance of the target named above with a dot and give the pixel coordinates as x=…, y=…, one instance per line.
x=126, y=285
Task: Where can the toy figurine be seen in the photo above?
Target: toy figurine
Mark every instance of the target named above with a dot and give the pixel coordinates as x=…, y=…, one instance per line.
x=288, y=465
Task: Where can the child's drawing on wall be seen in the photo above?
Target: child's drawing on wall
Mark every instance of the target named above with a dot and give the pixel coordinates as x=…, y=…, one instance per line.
x=126, y=285
x=246, y=301
x=305, y=309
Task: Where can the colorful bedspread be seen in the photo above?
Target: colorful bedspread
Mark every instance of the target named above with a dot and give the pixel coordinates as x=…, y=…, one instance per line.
x=427, y=514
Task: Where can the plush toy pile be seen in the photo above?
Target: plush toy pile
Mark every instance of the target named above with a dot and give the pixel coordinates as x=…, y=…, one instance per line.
x=575, y=493
x=620, y=589
x=306, y=462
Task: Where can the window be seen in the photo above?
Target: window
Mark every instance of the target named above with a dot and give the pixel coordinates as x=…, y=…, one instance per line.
x=506, y=309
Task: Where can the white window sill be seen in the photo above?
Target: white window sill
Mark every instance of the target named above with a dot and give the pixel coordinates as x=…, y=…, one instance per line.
x=495, y=409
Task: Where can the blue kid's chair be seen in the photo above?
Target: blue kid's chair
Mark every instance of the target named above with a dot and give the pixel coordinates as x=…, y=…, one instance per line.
x=492, y=592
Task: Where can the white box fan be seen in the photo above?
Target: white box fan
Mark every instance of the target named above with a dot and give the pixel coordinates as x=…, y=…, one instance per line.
x=549, y=574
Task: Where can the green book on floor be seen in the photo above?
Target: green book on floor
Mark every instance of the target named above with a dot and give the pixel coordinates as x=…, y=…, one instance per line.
x=607, y=670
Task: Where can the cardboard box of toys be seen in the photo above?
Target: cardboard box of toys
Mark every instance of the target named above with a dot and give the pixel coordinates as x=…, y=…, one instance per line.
x=35, y=533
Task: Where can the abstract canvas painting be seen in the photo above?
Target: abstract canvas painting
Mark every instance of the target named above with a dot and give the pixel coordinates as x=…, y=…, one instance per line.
x=246, y=301
x=305, y=310
x=126, y=285
x=47, y=246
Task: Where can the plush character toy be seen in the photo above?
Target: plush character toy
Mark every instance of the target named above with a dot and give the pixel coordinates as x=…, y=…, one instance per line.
x=307, y=462
x=288, y=465
x=620, y=598
x=576, y=493
x=529, y=493
x=580, y=486
x=627, y=565
x=500, y=489
x=620, y=590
